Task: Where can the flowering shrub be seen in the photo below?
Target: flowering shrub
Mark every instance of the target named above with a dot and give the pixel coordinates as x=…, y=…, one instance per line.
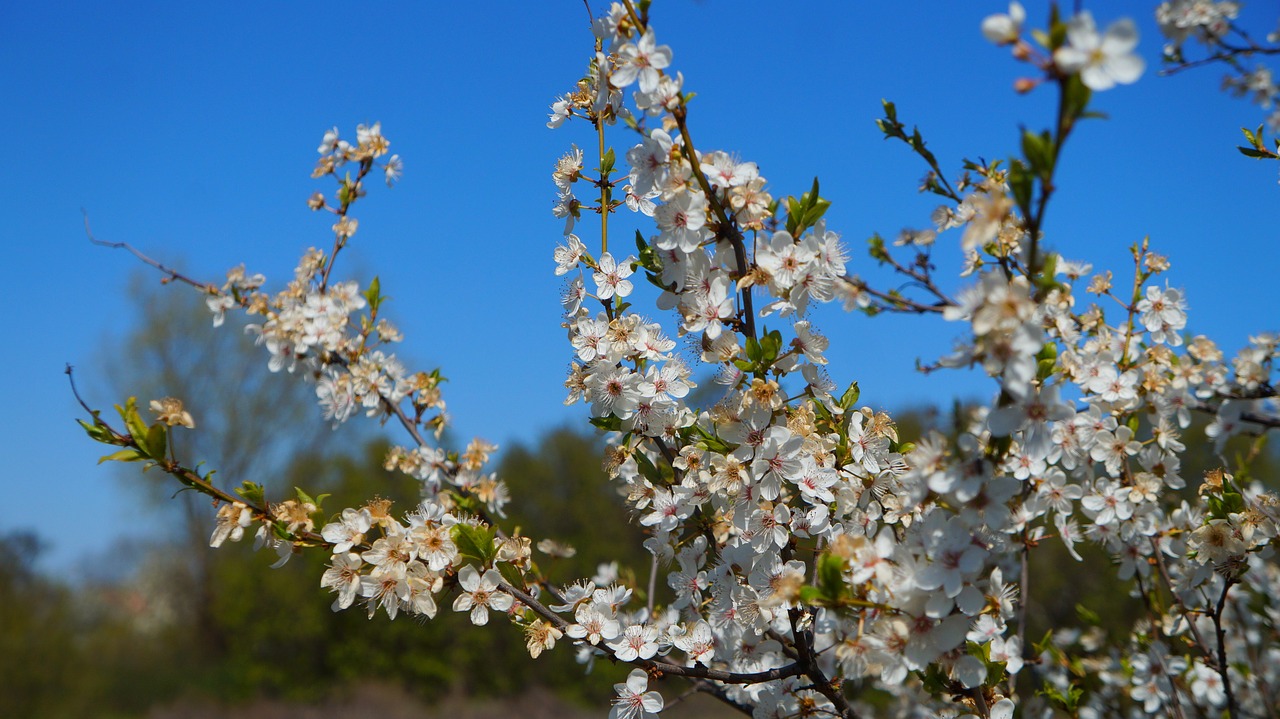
x=818, y=562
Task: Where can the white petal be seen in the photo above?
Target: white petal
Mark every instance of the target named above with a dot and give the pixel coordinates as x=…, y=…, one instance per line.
x=1125, y=69
x=1095, y=78
x=637, y=681
x=998, y=29
x=652, y=702
x=1120, y=38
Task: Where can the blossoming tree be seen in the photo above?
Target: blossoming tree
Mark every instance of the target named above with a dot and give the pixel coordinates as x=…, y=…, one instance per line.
x=817, y=562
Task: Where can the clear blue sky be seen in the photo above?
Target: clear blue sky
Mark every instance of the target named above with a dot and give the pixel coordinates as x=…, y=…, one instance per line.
x=189, y=129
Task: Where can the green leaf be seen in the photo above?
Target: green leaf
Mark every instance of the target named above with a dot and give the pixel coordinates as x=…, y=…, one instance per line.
x=157, y=440
x=374, y=294
x=1044, y=369
x=252, y=493
x=1256, y=154
x=648, y=469
x=1075, y=97
x=512, y=575
x=890, y=111
x=713, y=443
x=606, y=166
x=134, y=422
x=608, y=423
x=98, y=432
x=812, y=595
x=1020, y=184
x=770, y=346
x=1088, y=616
x=831, y=575
x=1038, y=150
x=875, y=248
x=850, y=396
x=815, y=213
x=124, y=455
x=653, y=280
x=474, y=542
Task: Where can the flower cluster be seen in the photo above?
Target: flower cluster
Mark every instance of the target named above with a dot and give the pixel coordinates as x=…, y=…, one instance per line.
x=1212, y=25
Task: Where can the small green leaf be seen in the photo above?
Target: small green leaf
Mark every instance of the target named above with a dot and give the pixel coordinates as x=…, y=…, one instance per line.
x=97, y=432
x=813, y=596
x=474, y=542
x=850, y=396
x=134, y=422
x=890, y=111
x=1256, y=154
x=1075, y=97
x=1038, y=150
x=157, y=440
x=1088, y=616
x=1020, y=184
x=252, y=493
x=831, y=575
x=648, y=469
x=608, y=423
x=815, y=213
x=512, y=575
x=124, y=455
x=374, y=294
x=713, y=443
x=770, y=346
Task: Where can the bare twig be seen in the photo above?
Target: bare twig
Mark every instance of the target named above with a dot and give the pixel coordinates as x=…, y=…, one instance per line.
x=172, y=273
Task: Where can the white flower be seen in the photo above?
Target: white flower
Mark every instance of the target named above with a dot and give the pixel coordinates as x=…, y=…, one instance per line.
x=1102, y=60
x=611, y=277
x=633, y=701
x=638, y=641
x=343, y=577
x=1005, y=29
x=480, y=594
x=232, y=520
x=347, y=531
x=641, y=61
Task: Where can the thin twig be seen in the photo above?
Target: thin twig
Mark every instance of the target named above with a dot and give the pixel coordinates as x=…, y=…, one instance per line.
x=1223, y=669
x=172, y=273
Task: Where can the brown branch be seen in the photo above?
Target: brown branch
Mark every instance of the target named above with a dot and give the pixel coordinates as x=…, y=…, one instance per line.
x=172, y=273
x=728, y=229
x=1223, y=668
x=894, y=303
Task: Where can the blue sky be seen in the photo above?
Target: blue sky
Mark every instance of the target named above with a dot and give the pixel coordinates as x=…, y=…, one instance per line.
x=189, y=129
